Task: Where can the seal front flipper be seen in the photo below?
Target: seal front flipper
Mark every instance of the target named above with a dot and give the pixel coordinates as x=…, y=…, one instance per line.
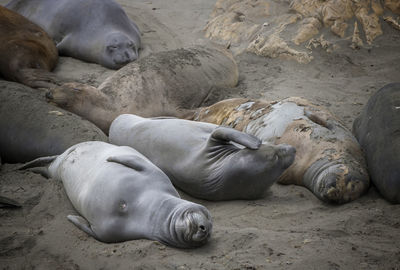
x=82, y=224
x=8, y=203
x=228, y=134
x=64, y=45
x=130, y=161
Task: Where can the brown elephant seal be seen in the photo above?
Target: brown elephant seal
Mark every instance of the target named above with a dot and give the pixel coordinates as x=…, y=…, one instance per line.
x=97, y=31
x=164, y=83
x=200, y=159
x=27, y=53
x=329, y=160
x=30, y=127
x=378, y=131
x=122, y=196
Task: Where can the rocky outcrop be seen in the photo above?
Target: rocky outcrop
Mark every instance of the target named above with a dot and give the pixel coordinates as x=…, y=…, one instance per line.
x=285, y=29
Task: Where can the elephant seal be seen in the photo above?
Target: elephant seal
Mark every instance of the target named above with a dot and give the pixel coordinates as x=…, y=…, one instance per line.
x=200, y=159
x=378, y=131
x=164, y=83
x=27, y=53
x=97, y=31
x=122, y=196
x=30, y=127
x=329, y=160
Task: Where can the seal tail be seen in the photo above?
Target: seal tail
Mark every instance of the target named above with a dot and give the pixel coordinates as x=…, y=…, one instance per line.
x=39, y=165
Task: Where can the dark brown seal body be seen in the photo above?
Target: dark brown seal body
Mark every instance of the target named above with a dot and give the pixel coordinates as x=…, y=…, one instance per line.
x=329, y=160
x=378, y=131
x=27, y=53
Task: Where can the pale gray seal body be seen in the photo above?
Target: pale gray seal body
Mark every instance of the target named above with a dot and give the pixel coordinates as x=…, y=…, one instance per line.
x=121, y=196
x=97, y=31
x=200, y=159
x=378, y=131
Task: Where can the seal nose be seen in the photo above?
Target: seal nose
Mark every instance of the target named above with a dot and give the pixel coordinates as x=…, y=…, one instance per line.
x=202, y=226
x=201, y=234
x=287, y=154
x=128, y=57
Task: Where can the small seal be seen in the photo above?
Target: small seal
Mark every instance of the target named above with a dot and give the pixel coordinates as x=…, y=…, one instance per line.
x=122, y=196
x=378, y=131
x=27, y=53
x=97, y=31
x=329, y=160
x=204, y=160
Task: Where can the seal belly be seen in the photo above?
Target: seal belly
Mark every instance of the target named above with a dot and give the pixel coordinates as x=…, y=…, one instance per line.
x=378, y=131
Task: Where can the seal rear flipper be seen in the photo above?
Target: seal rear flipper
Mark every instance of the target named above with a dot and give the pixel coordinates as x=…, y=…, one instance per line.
x=8, y=203
x=130, y=161
x=225, y=135
x=38, y=78
x=39, y=165
x=82, y=224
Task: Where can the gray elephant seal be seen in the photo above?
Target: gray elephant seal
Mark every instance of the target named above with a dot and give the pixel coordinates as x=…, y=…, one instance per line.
x=97, y=31
x=27, y=53
x=31, y=128
x=378, y=131
x=164, y=83
x=329, y=160
x=122, y=196
x=200, y=159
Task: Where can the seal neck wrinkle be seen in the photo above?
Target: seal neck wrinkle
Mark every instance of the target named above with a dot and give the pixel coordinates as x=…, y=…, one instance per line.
x=164, y=219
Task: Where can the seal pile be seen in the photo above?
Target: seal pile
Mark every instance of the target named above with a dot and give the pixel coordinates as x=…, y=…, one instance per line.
x=234, y=149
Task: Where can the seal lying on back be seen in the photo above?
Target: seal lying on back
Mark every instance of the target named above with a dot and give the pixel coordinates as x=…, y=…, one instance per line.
x=329, y=160
x=97, y=31
x=27, y=53
x=122, y=196
x=160, y=84
x=378, y=131
x=200, y=159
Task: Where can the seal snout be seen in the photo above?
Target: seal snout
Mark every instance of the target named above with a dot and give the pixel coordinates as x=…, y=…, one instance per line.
x=286, y=153
x=338, y=183
x=199, y=227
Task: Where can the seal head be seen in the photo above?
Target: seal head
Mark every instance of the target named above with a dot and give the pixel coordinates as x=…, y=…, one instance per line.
x=119, y=50
x=193, y=226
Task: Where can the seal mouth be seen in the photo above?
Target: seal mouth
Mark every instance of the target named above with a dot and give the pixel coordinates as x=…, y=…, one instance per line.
x=337, y=183
x=195, y=227
x=124, y=57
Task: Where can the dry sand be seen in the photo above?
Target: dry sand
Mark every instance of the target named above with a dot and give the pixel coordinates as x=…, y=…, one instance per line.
x=288, y=229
